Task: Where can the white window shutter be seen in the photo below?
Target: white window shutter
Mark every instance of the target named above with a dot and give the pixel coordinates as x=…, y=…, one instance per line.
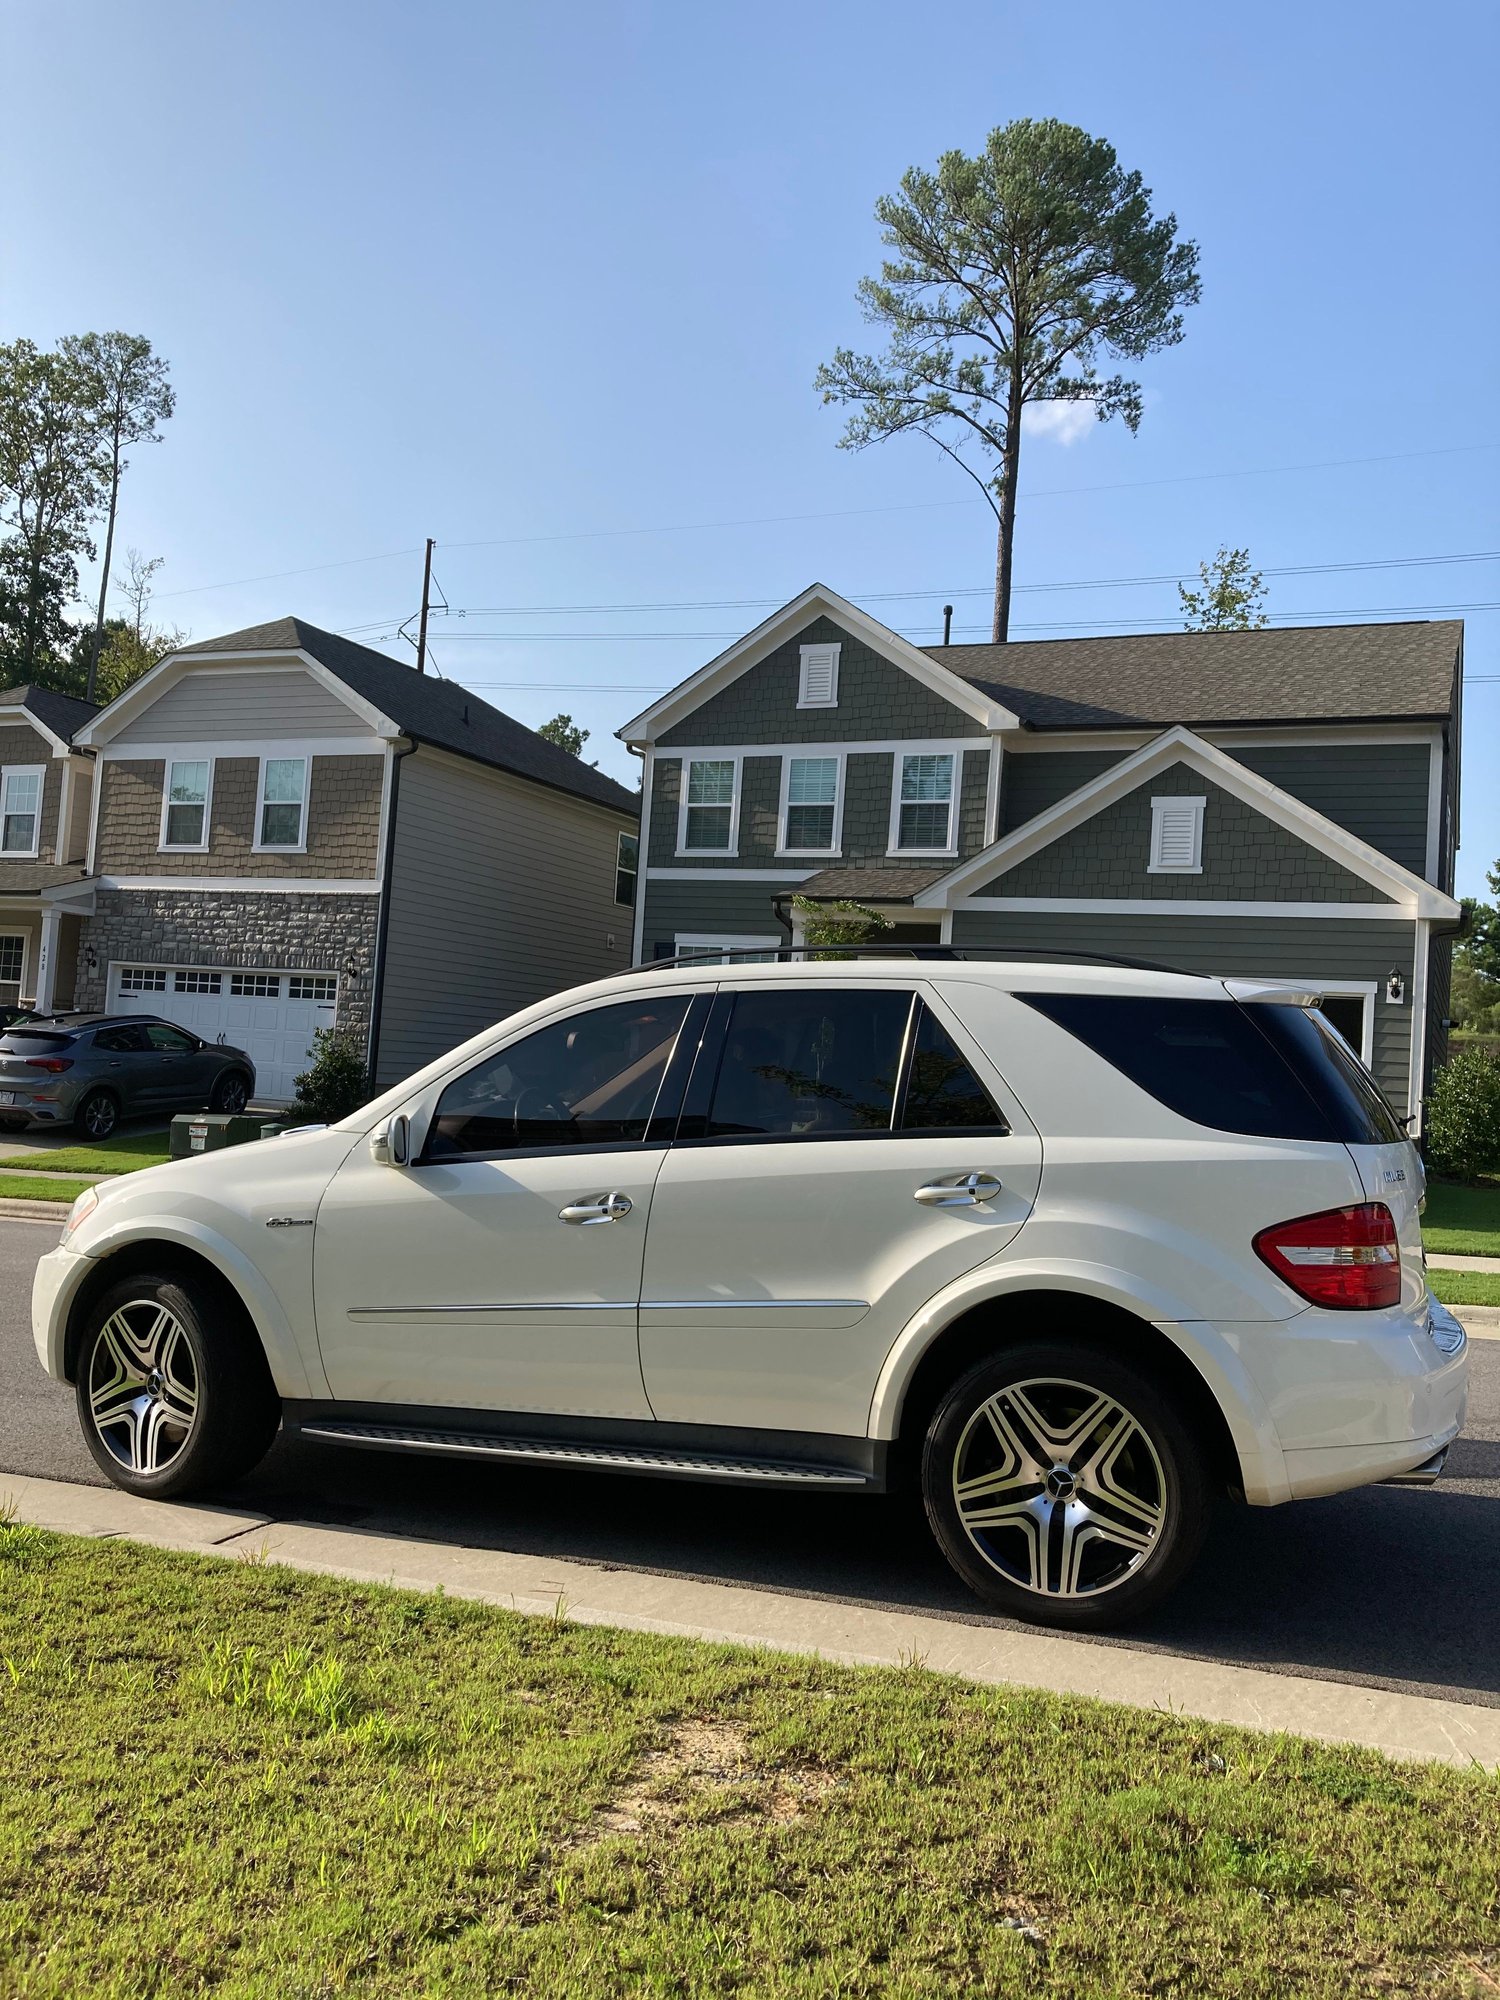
x=1177, y=836
x=819, y=683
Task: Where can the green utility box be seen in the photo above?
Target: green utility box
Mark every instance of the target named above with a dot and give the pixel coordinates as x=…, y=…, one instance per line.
x=211, y=1131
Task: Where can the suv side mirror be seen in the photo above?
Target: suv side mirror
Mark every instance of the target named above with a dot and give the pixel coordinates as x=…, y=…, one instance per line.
x=392, y=1146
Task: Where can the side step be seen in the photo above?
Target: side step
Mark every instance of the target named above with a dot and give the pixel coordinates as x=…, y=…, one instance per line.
x=601, y=1457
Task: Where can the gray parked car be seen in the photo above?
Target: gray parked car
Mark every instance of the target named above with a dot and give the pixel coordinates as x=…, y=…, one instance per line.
x=91, y=1070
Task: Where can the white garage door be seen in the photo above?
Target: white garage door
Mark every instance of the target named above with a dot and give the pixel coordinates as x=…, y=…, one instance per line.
x=270, y=1015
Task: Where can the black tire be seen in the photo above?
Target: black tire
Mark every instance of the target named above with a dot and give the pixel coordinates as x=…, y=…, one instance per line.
x=1110, y=1527
x=231, y=1092
x=97, y=1115
x=199, y=1415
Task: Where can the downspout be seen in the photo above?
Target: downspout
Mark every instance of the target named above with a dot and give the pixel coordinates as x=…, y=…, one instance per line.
x=383, y=920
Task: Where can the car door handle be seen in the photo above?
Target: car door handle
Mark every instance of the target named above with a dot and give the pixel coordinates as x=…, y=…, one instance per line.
x=603, y=1208
x=964, y=1191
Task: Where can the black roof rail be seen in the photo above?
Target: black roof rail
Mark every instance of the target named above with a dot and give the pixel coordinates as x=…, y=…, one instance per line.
x=791, y=954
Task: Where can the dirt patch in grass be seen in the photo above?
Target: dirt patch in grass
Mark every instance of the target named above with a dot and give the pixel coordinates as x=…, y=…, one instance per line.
x=704, y=1770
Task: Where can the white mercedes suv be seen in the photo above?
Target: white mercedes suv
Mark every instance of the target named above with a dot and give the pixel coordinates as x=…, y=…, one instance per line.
x=1072, y=1248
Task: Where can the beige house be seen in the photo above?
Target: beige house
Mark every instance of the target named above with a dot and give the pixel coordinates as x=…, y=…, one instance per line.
x=45, y=799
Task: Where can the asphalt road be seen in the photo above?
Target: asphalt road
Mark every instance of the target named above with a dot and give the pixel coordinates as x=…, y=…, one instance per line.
x=1392, y=1587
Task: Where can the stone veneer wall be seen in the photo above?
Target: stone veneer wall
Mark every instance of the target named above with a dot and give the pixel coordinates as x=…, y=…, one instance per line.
x=290, y=933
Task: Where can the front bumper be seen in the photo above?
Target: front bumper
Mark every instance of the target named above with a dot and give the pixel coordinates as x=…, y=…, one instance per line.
x=53, y=1289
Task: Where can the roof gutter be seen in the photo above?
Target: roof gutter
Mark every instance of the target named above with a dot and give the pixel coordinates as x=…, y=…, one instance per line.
x=383, y=920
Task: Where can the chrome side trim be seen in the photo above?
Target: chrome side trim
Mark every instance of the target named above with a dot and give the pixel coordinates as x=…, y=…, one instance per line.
x=750, y=1305
x=487, y=1306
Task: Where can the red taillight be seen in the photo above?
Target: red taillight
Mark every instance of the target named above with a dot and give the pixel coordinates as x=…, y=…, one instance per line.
x=1346, y=1258
x=54, y=1065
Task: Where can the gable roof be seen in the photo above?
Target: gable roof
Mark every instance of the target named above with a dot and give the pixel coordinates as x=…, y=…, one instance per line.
x=1291, y=673
x=59, y=714
x=1413, y=895
x=428, y=710
x=983, y=704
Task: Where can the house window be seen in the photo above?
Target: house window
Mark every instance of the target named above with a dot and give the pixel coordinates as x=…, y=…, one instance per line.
x=12, y=958
x=627, y=866
x=197, y=982
x=321, y=987
x=185, y=807
x=714, y=944
x=283, y=802
x=143, y=979
x=21, y=810
x=708, y=806
x=818, y=685
x=924, y=812
x=808, y=820
x=1177, y=836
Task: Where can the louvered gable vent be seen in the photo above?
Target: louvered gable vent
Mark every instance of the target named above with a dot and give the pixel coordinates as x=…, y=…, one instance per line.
x=819, y=687
x=1177, y=836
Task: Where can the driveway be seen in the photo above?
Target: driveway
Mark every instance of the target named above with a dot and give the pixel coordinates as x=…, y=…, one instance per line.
x=1389, y=1587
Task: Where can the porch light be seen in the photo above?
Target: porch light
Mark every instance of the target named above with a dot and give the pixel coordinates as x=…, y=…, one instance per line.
x=1395, y=987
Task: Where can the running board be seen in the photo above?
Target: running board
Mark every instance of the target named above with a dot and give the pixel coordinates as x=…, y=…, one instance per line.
x=600, y=1457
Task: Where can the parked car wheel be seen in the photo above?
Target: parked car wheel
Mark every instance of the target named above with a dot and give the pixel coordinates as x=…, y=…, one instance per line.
x=173, y=1390
x=98, y=1115
x=231, y=1092
x=1063, y=1486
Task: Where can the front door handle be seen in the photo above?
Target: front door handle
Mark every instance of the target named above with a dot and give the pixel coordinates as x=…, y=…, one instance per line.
x=965, y=1191
x=603, y=1208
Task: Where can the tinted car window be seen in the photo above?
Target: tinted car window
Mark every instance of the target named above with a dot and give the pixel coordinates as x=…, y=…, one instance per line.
x=171, y=1041
x=121, y=1041
x=17, y=1042
x=809, y=1064
x=590, y=1080
x=942, y=1092
x=1263, y=1070
x=1320, y=1055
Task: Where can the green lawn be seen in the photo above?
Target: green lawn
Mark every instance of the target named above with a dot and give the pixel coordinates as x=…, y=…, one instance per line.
x=123, y=1154
x=1462, y=1221
x=35, y=1187
x=1465, y=1288
x=226, y=1777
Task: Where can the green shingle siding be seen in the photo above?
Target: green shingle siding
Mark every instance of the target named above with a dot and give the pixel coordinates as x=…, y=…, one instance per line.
x=1032, y=780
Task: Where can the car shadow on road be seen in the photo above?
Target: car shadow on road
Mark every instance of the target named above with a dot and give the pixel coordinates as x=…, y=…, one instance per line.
x=1388, y=1586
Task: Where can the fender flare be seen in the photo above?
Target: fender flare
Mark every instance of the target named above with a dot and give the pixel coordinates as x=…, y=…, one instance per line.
x=1202, y=1344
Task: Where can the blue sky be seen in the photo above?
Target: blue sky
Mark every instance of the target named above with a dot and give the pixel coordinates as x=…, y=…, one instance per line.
x=551, y=285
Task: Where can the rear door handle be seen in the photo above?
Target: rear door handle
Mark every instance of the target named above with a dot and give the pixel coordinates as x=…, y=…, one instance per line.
x=964, y=1191
x=603, y=1208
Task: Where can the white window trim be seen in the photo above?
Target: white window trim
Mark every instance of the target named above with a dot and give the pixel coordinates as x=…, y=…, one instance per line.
x=258, y=846
x=1364, y=990
x=836, y=849
x=1159, y=807
x=723, y=941
x=39, y=772
x=731, y=852
x=894, y=851
x=24, y=939
x=623, y=834
x=807, y=652
x=164, y=846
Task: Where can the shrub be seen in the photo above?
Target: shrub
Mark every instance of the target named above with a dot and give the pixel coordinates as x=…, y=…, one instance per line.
x=1463, y=1115
x=825, y=924
x=335, y=1082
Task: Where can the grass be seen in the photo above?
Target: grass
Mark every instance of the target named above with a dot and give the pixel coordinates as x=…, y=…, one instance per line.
x=228, y=1777
x=1462, y=1221
x=125, y=1153
x=1465, y=1288
x=35, y=1187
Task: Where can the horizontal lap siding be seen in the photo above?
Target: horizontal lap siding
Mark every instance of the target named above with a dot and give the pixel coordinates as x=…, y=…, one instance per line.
x=1377, y=791
x=736, y=909
x=221, y=704
x=502, y=892
x=1232, y=947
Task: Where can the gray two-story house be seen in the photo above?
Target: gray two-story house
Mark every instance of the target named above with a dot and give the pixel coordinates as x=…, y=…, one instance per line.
x=281, y=830
x=1273, y=803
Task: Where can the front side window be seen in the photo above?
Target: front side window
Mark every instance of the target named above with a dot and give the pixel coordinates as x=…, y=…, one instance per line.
x=804, y=1064
x=924, y=812
x=170, y=1041
x=186, y=823
x=20, y=811
x=627, y=867
x=283, y=801
x=590, y=1080
x=708, y=806
x=812, y=791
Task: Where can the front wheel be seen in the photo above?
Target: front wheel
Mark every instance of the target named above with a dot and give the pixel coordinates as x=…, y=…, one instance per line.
x=173, y=1390
x=1064, y=1486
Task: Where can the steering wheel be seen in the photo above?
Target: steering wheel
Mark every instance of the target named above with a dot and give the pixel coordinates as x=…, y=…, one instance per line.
x=530, y=1103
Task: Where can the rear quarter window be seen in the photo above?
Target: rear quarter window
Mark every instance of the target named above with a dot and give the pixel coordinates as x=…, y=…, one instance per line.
x=1266, y=1070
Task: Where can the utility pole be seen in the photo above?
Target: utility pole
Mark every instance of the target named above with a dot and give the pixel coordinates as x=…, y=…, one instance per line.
x=426, y=594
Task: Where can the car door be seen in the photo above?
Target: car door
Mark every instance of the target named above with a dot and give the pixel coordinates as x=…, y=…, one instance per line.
x=502, y=1269
x=851, y=1154
x=127, y=1065
x=178, y=1074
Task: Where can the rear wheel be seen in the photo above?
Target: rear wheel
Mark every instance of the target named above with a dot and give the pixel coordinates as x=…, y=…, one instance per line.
x=230, y=1093
x=1063, y=1486
x=97, y=1116
x=173, y=1390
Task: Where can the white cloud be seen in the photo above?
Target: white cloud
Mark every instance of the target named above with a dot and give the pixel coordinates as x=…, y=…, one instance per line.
x=1064, y=423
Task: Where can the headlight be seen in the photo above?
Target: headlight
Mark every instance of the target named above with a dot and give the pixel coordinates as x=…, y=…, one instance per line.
x=86, y=1203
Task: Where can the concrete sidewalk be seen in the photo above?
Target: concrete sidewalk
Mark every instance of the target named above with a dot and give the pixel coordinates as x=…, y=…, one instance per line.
x=1402, y=1725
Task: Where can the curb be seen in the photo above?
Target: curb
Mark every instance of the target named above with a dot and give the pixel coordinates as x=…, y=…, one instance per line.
x=13, y=1208
x=1402, y=1725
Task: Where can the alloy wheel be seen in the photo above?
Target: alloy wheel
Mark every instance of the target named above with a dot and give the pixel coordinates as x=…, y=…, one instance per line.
x=99, y=1116
x=1059, y=1488
x=143, y=1386
x=232, y=1095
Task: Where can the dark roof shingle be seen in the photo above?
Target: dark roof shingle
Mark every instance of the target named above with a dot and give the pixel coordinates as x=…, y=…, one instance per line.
x=430, y=710
x=1301, y=673
x=63, y=714
x=875, y=884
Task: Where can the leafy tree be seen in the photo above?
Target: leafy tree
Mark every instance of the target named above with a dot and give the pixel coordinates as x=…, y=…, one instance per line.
x=1463, y=1115
x=565, y=733
x=1231, y=597
x=1014, y=275
x=1475, y=999
x=129, y=396
x=336, y=1081
x=830, y=928
x=49, y=488
x=1481, y=945
x=124, y=655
